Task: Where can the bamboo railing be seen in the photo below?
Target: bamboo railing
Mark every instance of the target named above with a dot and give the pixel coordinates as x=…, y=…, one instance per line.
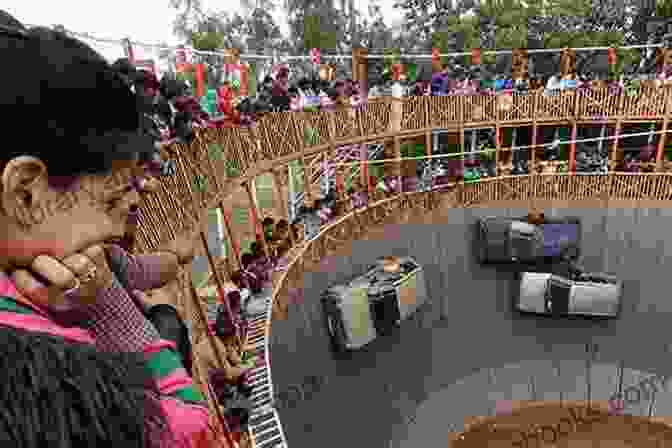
x=204, y=179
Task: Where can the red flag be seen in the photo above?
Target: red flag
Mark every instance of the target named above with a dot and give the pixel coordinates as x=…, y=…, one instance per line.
x=476, y=56
x=243, y=80
x=339, y=182
x=200, y=80
x=315, y=56
x=372, y=183
x=397, y=70
x=436, y=55
x=256, y=225
x=612, y=56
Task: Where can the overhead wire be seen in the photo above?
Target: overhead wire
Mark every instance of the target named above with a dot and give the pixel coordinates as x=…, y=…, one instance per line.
x=370, y=56
x=501, y=52
x=513, y=148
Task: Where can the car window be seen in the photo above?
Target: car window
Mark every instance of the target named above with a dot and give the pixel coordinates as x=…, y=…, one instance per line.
x=523, y=228
x=558, y=293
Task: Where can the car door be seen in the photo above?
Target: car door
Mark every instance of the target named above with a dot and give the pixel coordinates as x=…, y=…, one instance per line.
x=558, y=292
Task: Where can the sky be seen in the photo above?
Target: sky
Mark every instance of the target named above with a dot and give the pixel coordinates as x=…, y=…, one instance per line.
x=141, y=20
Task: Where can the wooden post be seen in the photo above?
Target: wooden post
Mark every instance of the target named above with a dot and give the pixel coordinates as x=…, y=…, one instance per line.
x=229, y=232
x=307, y=184
x=531, y=164
x=572, y=150
x=218, y=356
x=519, y=64
x=255, y=213
x=232, y=56
x=396, y=112
x=363, y=165
x=617, y=131
x=572, y=145
x=360, y=69
x=498, y=146
x=568, y=63
x=283, y=205
x=660, y=151
x=462, y=150
x=498, y=137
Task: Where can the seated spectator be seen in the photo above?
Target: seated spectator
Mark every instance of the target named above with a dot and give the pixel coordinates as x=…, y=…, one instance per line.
x=107, y=384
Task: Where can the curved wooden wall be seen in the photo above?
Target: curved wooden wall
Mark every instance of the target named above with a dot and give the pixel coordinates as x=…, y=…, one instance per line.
x=201, y=183
x=279, y=138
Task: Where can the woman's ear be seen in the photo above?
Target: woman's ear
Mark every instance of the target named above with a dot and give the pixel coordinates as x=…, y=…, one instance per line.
x=24, y=182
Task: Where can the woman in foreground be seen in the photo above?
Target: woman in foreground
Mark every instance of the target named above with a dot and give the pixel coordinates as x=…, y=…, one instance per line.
x=80, y=364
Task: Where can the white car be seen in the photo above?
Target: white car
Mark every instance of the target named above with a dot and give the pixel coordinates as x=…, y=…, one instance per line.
x=589, y=294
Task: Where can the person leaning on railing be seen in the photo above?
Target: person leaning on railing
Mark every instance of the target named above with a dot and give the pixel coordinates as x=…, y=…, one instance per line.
x=69, y=330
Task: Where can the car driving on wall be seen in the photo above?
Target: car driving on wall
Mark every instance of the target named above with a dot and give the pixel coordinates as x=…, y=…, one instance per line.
x=515, y=240
x=587, y=294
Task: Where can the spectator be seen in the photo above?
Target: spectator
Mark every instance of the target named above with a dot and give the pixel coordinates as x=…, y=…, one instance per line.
x=106, y=380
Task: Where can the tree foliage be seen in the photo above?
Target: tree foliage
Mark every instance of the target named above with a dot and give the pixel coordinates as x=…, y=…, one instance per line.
x=509, y=24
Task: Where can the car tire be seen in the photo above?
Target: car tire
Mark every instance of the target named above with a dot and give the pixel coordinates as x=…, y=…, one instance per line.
x=480, y=243
x=335, y=342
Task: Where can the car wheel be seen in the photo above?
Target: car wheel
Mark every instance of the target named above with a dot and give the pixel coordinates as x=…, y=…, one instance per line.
x=335, y=342
x=481, y=248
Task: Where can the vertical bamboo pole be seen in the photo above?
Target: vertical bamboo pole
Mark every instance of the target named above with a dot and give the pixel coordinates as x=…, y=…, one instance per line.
x=218, y=356
x=307, y=177
x=397, y=163
x=218, y=282
x=514, y=140
x=396, y=113
x=460, y=179
x=531, y=168
x=360, y=69
x=617, y=131
x=232, y=239
x=498, y=146
x=254, y=209
x=572, y=149
x=660, y=151
x=283, y=206
x=363, y=164
x=572, y=146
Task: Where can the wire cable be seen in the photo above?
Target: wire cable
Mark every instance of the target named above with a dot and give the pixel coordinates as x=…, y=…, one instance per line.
x=514, y=148
x=500, y=52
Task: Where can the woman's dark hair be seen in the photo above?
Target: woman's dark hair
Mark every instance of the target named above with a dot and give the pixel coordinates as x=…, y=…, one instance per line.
x=268, y=221
x=74, y=101
x=64, y=395
x=282, y=224
x=170, y=87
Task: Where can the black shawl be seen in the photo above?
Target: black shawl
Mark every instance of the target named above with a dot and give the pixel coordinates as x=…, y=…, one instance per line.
x=59, y=394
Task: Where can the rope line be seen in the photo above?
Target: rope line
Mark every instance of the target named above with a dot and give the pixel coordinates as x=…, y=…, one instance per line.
x=500, y=52
x=513, y=148
x=370, y=56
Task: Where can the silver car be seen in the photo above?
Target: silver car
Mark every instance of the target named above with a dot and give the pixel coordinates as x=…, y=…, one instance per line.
x=514, y=240
x=589, y=294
